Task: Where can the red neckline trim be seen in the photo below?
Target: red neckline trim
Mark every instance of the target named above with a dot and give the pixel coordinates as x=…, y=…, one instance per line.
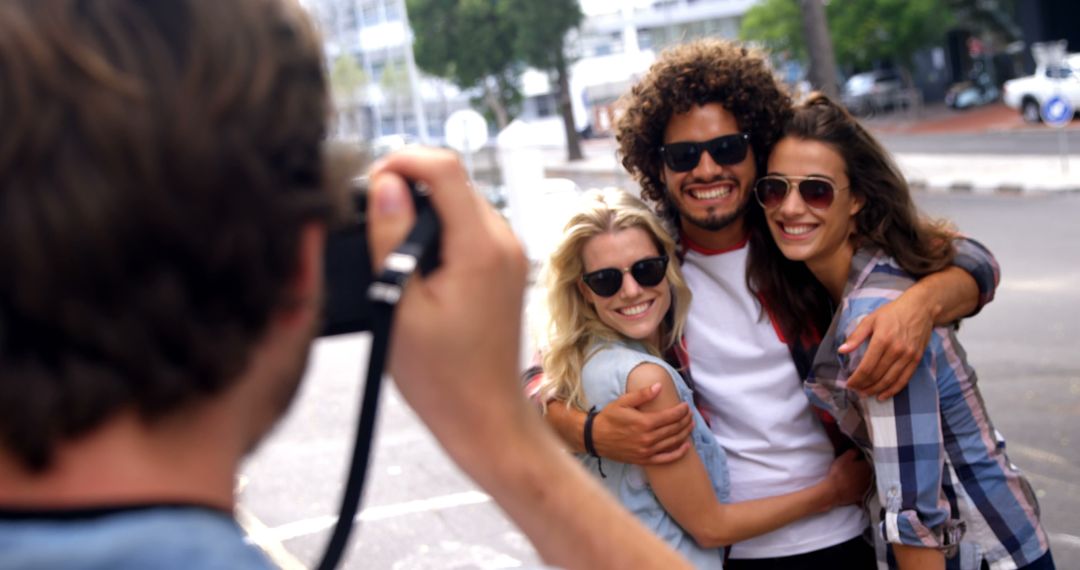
x=690, y=245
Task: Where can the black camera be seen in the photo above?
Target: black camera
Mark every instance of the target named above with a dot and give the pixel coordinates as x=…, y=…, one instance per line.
x=347, y=263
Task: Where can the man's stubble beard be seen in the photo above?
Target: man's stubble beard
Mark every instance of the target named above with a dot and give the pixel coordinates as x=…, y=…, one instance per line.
x=711, y=222
x=714, y=223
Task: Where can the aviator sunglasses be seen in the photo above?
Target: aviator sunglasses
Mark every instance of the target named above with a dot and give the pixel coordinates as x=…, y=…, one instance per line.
x=725, y=150
x=648, y=272
x=816, y=192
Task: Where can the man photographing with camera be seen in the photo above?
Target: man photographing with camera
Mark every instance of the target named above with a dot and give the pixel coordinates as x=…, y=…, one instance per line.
x=164, y=200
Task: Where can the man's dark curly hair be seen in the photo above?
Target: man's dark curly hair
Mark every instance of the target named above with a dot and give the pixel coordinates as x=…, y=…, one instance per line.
x=692, y=74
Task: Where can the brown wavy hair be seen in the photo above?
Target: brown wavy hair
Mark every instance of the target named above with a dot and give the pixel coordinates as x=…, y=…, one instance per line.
x=689, y=75
x=888, y=220
x=157, y=161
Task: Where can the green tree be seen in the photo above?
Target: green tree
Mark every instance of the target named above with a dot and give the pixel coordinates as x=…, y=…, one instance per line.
x=777, y=25
x=467, y=42
x=395, y=86
x=867, y=31
x=347, y=78
x=540, y=40
x=487, y=43
x=864, y=32
x=347, y=82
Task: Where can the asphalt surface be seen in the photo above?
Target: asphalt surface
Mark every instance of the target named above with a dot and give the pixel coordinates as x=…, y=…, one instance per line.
x=421, y=512
x=1043, y=141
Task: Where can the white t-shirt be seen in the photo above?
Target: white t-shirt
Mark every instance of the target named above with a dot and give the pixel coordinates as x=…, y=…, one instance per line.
x=744, y=377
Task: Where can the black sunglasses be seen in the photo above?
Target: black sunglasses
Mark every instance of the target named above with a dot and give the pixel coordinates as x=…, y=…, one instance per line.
x=684, y=156
x=648, y=272
x=816, y=192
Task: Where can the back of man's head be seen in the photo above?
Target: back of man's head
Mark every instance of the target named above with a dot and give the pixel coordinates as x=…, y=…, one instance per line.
x=157, y=160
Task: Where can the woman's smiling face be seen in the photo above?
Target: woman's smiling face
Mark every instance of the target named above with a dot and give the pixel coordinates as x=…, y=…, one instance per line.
x=634, y=311
x=819, y=237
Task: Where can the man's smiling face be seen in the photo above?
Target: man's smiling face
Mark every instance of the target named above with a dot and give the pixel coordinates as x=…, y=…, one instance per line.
x=710, y=197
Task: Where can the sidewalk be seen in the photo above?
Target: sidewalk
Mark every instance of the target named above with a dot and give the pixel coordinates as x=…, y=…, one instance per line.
x=1017, y=173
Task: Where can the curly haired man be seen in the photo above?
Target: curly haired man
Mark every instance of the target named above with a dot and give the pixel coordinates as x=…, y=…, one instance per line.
x=696, y=133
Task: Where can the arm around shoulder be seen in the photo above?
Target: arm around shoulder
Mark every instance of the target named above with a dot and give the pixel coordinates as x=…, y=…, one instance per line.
x=974, y=258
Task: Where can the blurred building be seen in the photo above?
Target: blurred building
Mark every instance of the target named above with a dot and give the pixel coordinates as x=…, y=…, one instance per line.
x=1049, y=20
x=380, y=95
x=618, y=41
x=992, y=40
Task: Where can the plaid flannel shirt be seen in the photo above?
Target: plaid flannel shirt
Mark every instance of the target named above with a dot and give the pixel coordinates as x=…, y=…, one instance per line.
x=942, y=477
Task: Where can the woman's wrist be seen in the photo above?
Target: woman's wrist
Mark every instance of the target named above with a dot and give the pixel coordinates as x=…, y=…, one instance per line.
x=829, y=494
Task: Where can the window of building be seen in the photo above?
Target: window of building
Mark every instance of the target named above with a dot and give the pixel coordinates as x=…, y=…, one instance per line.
x=545, y=105
x=388, y=124
x=393, y=11
x=349, y=19
x=371, y=14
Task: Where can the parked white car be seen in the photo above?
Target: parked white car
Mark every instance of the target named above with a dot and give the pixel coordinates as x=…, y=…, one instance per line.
x=1027, y=94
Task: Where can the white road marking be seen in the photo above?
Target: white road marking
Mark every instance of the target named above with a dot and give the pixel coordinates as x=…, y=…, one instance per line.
x=313, y=525
x=259, y=534
x=1043, y=285
x=1060, y=538
x=1042, y=455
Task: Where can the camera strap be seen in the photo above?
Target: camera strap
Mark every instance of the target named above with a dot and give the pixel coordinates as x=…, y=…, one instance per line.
x=420, y=250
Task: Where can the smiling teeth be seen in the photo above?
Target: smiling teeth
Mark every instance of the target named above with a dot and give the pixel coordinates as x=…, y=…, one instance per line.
x=711, y=194
x=634, y=310
x=798, y=230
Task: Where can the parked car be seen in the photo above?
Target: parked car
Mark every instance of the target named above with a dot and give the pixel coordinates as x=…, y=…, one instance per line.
x=1028, y=94
x=873, y=91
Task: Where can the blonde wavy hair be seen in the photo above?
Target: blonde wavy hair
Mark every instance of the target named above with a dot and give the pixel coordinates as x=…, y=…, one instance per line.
x=574, y=327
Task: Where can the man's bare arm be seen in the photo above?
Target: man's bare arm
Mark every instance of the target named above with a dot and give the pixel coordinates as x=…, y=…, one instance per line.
x=899, y=331
x=623, y=433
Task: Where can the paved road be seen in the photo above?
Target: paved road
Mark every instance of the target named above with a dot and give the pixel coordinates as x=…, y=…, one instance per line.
x=420, y=512
x=1043, y=141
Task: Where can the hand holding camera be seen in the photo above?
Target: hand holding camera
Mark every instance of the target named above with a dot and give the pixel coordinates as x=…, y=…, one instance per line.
x=454, y=357
x=457, y=331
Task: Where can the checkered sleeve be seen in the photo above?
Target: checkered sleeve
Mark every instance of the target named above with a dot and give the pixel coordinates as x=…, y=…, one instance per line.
x=974, y=258
x=908, y=454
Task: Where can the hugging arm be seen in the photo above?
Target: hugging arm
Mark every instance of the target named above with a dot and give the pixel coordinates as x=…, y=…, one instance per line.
x=623, y=432
x=686, y=492
x=899, y=331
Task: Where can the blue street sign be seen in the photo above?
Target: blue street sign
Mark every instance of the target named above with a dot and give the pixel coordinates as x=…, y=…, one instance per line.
x=1057, y=111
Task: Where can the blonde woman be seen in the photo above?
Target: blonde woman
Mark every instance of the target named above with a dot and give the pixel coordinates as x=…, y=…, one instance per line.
x=618, y=303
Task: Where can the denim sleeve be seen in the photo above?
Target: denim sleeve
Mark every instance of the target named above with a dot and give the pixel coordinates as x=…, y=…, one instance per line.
x=973, y=257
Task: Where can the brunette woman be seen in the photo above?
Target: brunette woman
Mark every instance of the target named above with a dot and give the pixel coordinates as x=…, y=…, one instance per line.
x=847, y=240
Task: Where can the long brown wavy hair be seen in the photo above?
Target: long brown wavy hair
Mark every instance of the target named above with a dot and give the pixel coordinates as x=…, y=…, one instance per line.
x=888, y=219
x=690, y=75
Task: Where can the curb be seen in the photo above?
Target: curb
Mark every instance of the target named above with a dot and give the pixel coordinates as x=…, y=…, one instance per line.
x=968, y=187
x=919, y=184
